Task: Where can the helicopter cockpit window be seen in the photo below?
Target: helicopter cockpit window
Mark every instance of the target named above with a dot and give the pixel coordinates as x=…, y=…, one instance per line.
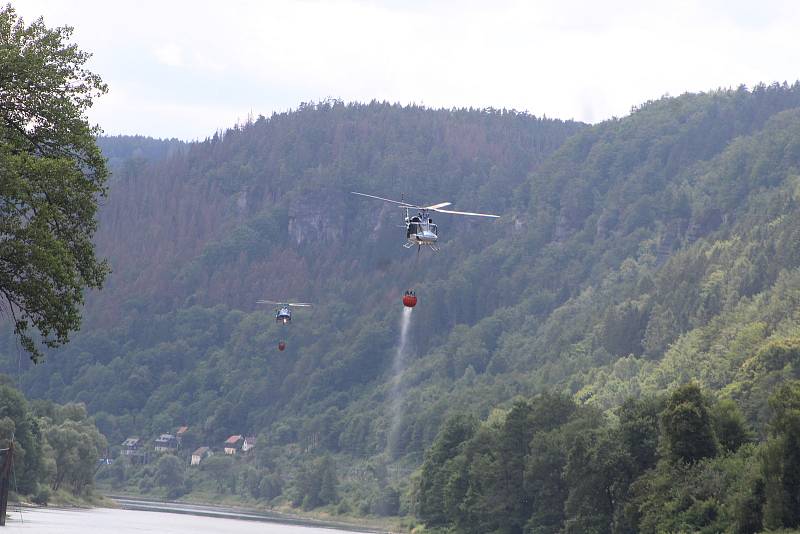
x=434, y=229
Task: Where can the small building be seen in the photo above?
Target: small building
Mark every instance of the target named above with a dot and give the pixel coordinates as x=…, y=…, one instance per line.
x=131, y=446
x=200, y=454
x=165, y=443
x=248, y=443
x=233, y=444
x=133, y=449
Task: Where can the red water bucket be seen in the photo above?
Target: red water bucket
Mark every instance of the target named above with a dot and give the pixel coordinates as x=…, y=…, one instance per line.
x=409, y=299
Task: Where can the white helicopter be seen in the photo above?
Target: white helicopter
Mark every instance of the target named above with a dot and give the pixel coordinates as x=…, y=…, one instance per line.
x=284, y=311
x=420, y=228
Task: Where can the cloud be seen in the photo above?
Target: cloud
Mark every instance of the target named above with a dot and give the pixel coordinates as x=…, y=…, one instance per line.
x=564, y=58
x=169, y=54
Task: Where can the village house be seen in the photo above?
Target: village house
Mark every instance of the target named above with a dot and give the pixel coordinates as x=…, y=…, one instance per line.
x=165, y=443
x=248, y=443
x=233, y=444
x=131, y=446
x=133, y=449
x=200, y=454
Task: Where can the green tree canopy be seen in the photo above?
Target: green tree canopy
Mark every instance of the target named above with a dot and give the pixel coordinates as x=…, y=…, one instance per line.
x=169, y=471
x=687, y=428
x=781, y=459
x=53, y=174
x=17, y=422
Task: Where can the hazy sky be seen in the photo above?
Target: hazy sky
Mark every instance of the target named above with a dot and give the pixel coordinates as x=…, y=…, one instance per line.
x=184, y=69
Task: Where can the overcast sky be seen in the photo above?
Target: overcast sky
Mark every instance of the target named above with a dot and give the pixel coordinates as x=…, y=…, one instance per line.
x=184, y=69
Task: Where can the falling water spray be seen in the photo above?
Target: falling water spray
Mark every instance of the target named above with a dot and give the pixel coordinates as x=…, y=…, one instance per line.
x=396, y=393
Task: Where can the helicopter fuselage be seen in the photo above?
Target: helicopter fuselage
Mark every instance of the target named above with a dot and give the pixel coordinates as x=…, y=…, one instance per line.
x=424, y=238
x=284, y=315
x=421, y=230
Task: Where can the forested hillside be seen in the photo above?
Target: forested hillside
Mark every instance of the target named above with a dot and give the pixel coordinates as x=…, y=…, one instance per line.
x=631, y=257
x=265, y=208
x=683, y=219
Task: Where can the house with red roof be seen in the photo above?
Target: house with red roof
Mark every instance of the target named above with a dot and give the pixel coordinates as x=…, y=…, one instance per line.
x=233, y=444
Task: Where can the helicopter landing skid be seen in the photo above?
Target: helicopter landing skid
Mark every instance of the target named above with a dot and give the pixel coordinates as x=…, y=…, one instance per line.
x=411, y=245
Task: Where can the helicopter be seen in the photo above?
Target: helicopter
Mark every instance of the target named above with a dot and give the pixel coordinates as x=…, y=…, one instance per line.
x=420, y=228
x=283, y=314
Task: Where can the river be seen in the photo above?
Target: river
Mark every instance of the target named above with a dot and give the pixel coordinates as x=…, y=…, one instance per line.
x=178, y=520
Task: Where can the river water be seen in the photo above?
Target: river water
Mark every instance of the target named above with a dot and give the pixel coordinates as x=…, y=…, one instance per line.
x=108, y=521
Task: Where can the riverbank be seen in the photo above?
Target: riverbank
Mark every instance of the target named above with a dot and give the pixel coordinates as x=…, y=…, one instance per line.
x=66, y=499
x=261, y=514
x=63, y=499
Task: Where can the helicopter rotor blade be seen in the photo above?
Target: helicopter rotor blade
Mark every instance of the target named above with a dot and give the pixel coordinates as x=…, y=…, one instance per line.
x=434, y=207
x=465, y=213
x=276, y=303
x=437, y=206
x=403, y=204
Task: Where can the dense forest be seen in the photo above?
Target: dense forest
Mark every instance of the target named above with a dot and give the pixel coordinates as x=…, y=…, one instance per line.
x=616, y=353
x=678, y=463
